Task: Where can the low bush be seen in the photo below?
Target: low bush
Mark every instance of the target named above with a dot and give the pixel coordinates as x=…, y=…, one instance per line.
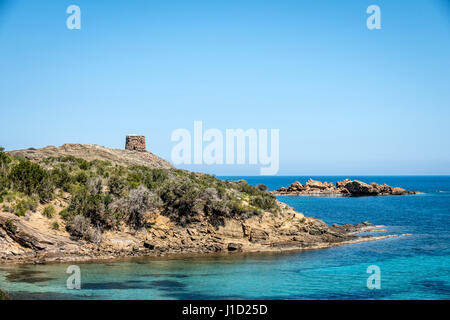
x=116, y=185
x=135, y=207
x=30, y=178
x=60, y=177
x=21, y=206
x=262, y=187
x=82, y=228
x=94, y=185
x=49, y=211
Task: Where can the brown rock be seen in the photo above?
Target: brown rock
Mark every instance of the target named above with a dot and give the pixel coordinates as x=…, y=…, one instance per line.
x=398, y=191
x=258, y=235
x=313, y=184
x=148, y=245
x=341, y=184
x=296, y=186
x=384, y=188
x=359, y=188
x=233, y=246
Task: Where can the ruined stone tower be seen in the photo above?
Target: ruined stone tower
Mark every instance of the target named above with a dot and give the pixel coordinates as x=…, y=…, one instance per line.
x=135, y=142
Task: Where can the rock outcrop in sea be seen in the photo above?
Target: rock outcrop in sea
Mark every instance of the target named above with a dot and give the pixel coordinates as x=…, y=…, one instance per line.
x=345, y=187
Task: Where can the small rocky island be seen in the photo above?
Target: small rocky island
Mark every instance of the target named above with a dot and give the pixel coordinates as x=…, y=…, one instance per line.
x=345, y=187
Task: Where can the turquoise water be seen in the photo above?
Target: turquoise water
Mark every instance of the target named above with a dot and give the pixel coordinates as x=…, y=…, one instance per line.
x=415, y=267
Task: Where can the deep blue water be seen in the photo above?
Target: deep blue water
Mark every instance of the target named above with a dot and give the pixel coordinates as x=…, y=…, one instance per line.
x=414, y=267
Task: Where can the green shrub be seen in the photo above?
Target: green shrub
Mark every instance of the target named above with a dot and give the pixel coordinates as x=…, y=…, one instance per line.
x=92, y=206
x=262, y=187
x=94, y=185
x=132, y=193
x=30, y=178
x=5, y=160
x=116, y=185
x=60, y=177
x=55, y=225
x=49, y=211
x=265, y=202
x=151, y=178
x=10, y=226
x=135, y=206
x=30, y=203
x=243, y=186
x=46, y=191
x=81, y=178
x=83, y=164
x=20, y=208
x=27, y=176
x=82, y=228
x=66, y=214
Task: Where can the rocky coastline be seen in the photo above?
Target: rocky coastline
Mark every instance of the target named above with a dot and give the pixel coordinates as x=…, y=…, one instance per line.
x=345, y=187
x=23, y=241
x=112, y=204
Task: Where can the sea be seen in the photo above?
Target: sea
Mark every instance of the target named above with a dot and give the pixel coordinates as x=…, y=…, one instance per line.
x=406, y=267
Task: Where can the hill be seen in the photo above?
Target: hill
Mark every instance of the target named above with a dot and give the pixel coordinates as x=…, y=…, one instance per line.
x=91, y=152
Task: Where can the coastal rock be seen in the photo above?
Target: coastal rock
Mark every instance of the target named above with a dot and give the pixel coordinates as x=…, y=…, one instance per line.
x=258, y=235
x=296, y=186
x=24, y=241
x=384, y=189
x=149, y=245
x=345, y=187
x=360, y=188
x=313, y=184
x=233, y=246
x=398, y=191
x=341, y=184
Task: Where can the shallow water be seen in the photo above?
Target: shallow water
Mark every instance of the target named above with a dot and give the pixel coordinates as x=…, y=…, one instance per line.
x=415, y=267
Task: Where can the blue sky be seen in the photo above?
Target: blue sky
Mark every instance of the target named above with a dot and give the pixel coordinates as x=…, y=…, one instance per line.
x=347, y=100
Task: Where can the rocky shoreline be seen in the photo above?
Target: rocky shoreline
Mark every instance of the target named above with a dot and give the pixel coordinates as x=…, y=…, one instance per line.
x=27, y=242
x=345, y=187
x=112, y=204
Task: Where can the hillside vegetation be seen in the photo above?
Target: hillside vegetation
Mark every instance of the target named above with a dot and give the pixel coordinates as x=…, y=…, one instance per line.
x=102, y=195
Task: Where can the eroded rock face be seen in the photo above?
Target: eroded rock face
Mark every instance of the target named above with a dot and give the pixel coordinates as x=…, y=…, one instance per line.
x=296, y=186
x=312, y=184
x=360, y=188
x=28, y=240
x=345, y=187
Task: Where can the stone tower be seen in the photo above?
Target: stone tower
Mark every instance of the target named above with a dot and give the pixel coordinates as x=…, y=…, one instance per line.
x=135, y=142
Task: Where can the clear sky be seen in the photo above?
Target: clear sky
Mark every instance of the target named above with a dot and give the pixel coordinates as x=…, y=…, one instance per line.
x=347, y=100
